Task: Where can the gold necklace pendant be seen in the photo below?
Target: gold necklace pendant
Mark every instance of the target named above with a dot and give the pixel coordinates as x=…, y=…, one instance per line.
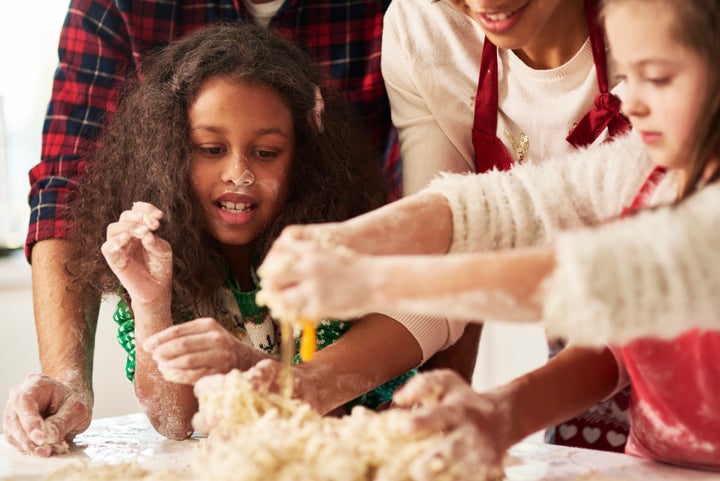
x=520, y=149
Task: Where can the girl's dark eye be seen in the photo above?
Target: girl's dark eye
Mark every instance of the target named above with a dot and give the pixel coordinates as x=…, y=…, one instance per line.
x=265, y=155
x=210, y=150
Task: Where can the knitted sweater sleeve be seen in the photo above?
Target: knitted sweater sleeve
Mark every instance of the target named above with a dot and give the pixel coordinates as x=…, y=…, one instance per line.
x=526, y=206
x=529, y=204
x=656, y=273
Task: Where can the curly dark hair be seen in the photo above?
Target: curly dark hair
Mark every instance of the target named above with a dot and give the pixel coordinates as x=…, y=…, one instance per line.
x=144, y=155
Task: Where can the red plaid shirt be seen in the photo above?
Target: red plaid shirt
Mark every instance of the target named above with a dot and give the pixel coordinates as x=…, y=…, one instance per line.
x=103, y=40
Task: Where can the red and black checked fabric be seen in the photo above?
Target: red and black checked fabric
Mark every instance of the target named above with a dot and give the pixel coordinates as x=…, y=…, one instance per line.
x=103, y=40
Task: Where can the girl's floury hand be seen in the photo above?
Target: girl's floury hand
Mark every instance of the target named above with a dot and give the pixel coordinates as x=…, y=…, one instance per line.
x=186, y=352
x=141, y=260
x=302, y=279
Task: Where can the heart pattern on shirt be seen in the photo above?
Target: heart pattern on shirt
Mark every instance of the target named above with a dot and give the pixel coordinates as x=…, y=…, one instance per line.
x=603, y=426
x=591, y=434
x=615, y=439
x=567, y=431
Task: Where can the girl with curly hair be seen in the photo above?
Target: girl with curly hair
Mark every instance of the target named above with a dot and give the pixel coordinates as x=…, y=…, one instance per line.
x=226, y=140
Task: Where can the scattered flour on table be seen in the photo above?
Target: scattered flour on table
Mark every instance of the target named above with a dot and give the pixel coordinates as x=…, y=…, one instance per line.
x=110, y=472
x=593, y=475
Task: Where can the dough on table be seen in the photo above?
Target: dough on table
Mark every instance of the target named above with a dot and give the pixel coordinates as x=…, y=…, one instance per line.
x=261, y=436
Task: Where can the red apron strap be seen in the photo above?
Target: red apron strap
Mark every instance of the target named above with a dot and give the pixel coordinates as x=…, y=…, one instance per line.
x=490, y=153
x=606, y=112
x=645, y=191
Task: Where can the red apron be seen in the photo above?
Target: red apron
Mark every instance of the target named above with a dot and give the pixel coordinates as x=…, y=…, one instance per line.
x=490, y=152
x=604, y=426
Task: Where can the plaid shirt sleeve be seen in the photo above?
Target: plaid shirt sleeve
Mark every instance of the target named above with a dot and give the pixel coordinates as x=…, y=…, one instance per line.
x=93, y=52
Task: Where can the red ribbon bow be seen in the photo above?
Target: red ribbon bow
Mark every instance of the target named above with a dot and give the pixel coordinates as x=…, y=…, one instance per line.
x=605, y=114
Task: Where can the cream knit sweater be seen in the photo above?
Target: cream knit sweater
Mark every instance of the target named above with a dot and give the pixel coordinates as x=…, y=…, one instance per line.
x=654, y=273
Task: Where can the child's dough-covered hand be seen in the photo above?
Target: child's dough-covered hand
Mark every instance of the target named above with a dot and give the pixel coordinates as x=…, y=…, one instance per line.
x=238, y=398
x=305, y=280
x=476, y=425
x=206, y=419
x=264, y=377
x=141, y=260
x=186, y=352
x=308, y=385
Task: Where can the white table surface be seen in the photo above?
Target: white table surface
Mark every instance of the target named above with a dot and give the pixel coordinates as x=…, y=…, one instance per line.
x=131, y=438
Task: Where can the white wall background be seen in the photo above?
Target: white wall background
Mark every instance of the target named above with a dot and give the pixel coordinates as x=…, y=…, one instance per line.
x=28, y=46
x=28, y=59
